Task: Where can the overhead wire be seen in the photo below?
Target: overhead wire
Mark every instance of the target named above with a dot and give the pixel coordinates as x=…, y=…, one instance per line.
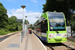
x=38, y=14
x=11, y=12
x=41, y=9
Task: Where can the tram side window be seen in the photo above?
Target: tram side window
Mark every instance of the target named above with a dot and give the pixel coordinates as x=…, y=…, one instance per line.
x=44, y=26
x=38, y=28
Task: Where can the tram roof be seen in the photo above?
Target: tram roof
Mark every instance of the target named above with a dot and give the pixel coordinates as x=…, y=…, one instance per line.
x=44, y=15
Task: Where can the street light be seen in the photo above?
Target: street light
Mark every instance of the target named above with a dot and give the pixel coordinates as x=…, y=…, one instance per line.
x=23, y=18
x=26, y=26
x=23, y=15
x=23, y=6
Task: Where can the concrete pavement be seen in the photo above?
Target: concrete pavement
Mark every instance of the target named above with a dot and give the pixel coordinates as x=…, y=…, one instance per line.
x=30, y=42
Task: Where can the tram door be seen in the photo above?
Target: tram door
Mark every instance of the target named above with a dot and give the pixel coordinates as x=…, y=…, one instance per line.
x=44, y=27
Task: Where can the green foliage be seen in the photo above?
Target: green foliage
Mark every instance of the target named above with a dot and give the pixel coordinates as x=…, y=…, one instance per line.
x=20, y=27
x=26, y=22
x=12, y=24
x=8, y=24
x=66, y=6
x=72, y=23
x=3, y=16
x=12, y=19
x=3, y=31
x=31, y=26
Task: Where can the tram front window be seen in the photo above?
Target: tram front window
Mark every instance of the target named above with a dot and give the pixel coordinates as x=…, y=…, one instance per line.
x=56, y=21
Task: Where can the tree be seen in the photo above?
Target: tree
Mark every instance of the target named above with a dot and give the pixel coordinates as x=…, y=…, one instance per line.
x=12, y=19
x=3, y=16
x=65, y=6
x=13, y=25
x=26, y=22
x=31, y=26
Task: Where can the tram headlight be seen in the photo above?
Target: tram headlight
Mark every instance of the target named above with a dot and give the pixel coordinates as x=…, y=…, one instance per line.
x=50, y=35
x=49, y=38
x=65, y=35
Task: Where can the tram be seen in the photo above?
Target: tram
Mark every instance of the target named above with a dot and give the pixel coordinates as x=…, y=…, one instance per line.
x=51, y=27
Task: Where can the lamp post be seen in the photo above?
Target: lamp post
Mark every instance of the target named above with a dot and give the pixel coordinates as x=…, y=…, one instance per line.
x=25, y=25
x=23, y=16
x=25, y=19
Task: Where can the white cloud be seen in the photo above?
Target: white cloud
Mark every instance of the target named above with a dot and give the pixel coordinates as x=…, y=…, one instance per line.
x=31, y=16
x=35, y=1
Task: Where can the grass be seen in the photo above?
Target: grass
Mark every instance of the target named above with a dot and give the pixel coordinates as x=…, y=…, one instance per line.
x=72, y=42
x=5, y=31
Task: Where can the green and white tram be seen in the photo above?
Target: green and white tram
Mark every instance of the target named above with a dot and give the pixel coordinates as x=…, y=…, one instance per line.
x=51, y=27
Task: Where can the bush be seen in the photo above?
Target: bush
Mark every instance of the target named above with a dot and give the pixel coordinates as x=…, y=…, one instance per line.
x=3, y=31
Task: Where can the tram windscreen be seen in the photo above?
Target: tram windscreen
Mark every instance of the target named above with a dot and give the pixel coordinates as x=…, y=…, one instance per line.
x=56, y=21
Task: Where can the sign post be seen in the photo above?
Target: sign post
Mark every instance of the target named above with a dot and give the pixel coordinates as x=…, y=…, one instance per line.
x=68, y=31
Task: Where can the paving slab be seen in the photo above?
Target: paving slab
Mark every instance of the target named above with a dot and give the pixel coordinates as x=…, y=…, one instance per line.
x=33, y=43
x=7, y=41
x=30, y=42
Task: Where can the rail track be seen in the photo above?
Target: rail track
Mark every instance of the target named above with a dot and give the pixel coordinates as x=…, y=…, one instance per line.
x=57, y=46
x=7, y=36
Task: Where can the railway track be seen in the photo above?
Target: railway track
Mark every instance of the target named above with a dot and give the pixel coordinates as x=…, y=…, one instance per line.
x=7, y=36
x=57, y=46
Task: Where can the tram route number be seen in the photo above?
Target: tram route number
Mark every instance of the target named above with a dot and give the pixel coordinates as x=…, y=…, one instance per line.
x=58, y=34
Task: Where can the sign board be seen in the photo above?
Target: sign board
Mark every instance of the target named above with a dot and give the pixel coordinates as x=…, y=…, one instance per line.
x=73, y=33
x=23, y=20
x=68, y=31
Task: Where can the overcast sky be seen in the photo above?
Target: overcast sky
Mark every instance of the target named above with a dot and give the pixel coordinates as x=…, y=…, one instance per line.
x=32, y=10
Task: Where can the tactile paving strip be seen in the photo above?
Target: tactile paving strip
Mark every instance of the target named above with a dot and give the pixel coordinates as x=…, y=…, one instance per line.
x=13, y=45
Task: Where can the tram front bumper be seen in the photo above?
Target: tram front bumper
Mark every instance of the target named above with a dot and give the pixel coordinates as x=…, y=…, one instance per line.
x=55, y=40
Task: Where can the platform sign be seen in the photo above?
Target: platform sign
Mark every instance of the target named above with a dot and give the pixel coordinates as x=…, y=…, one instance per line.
x=68, y=31
x=23, y=20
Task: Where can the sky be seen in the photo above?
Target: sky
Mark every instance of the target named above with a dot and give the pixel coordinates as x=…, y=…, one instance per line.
x=32, y=10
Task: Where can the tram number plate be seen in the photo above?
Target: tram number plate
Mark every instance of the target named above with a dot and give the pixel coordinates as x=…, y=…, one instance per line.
x=58, y=34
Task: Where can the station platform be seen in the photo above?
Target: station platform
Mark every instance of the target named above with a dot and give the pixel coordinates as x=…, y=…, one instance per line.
x=30, y=42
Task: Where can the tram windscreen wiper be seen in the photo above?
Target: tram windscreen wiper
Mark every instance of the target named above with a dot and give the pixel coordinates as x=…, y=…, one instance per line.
x=57, y=25
x=57, y=30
